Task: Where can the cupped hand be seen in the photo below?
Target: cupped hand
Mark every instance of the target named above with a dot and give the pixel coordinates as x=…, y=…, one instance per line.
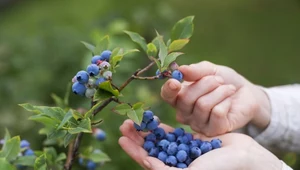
x=215, y=99
x=238, y=152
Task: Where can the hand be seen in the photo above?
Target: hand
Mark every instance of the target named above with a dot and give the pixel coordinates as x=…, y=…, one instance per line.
x=238, y=152
x=215, y=99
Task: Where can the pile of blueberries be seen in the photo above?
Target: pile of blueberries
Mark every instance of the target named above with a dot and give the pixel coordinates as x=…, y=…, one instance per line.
x=178, y=148
x=86, y=82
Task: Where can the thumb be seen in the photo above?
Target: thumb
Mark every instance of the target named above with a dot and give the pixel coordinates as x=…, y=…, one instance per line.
x=170, y=90
x=197, y=71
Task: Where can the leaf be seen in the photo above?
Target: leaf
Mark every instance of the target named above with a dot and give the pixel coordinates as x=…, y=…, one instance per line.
x=122, y=109
x=11, y=148
x=115, y=60
x=137, y=113
x=105, y=91
x=115, y=51
x=88, y=46
x=47, y=121
x=25, y=160
x=183, y=28
x=77, y=116
x=170, y=58
x=163, y=50
x=157, y=62
x=137, y=39
x=58, y=101
x=89, y=113
x=178, y=44
x=60, y=157
x=102, y=45
x=40, y=163
x=6, y=137
x=5, y=165
x=51, y=154
x=130, y=51
x=68, y=139
x=67, y=94
x=56, y=134
x=84, y=126
x=99, y=157
x=67, y=117
x=53, y=112
x=151, y=50
x=138, y=105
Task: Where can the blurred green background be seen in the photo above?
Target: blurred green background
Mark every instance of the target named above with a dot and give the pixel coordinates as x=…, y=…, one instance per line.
x=40, y=51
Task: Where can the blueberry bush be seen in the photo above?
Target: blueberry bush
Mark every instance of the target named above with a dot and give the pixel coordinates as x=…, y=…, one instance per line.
x=65, y=126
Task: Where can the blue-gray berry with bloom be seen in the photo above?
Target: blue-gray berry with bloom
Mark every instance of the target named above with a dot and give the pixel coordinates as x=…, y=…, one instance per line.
x=93, y=70
x=82, y=77
x=78, y=88
x=216, y=143
x=100, y=80
x=24, y=144
x=171, y=161
x=95, y=59
x=105, y=55
x=147, y=116
x=176, y=74
x=181, y=156
x=152, y=125
x=29, y=152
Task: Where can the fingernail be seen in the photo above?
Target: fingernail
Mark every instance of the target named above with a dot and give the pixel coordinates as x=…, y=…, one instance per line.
x=219, y=79
x=172, y=86
x=232, y=87
x=147, y=164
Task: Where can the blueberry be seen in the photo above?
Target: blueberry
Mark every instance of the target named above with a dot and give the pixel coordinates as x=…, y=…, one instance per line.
x=80, y=161
x=171, y=161
x=89, y=93
x=154, y=152
x=91, y=165
x=195, y=152
x=140, y=127
x=176, y=74
x=82, y=77
x=100, y=80
x=150, y=137
x=100, y=134
x=28, y=152
x=189, y=136
x=205, y=147
x=148, y=145
x=161, y=76
x=216, y=143
x=162, y=156
x=171, y=137
x=194, y=143
x=163, y=145
x=159, y=133
x=107, y=74
x=179, y=132
x=152, y=125
x=78, y=89
x=199, y=142
x=184, y=147
x=95, y=59
x=147, y=116
x=172, y=148
x=105, y=55
x=182, y=139
x=104, y=65
x=24, y=144
x=181, y=165
x=181, y=156
x=93, y=70
x=188, y=161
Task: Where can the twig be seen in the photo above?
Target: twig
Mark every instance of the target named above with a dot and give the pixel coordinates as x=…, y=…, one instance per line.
x=145, y=78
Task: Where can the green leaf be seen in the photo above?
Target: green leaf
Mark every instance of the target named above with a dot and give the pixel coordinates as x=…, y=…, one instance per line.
x=130, y=51
x=67, y=117
x=40, y=163
x=84, y=126
x=51, y=154
x=53, y=112
x=115, y=60
x=102, y=45
x=105, y=91
x=47, y=121
x=178, y=44
x=25, y=160
x=98, y=157
x=6, y=137
x=89, y=113
x=5, y=165
x=163, y=51
x=56, y=134
x=183, y=28
x=67, y=94
x=151, y=50
x=88, y=46
x=68, y=139
x=122, y=109
x=170, y=58
x=77, y=116
x=60, y=157
x=138, y=105
x=137, y=39
x=58, y=101
x=11, y=148
x=115, y=51
x=101, y=95
x=137, y=113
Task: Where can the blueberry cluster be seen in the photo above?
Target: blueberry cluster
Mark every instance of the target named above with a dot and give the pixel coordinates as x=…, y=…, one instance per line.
x=86, y=82
x=99, y=134
x=25, y=147
x=173, y=72
x=88, y=163
x=178, y=148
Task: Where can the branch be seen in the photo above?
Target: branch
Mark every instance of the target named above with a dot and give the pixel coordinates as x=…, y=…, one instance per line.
x=73, y=153
x=145, y=78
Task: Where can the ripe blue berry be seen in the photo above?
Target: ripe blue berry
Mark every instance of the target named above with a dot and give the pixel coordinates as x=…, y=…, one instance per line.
x=163, y=145
x=189, y=136
x=93, y=70
x=105, y=55
x=181, y=165
x=179, y=132
x=176, y=74
x=205, y=147
x=154, y=152
x=216, y=143
x=150, y=137
x=159, y=133
x=148, y=145
x=161, y=76
x=182, y=139
x=199, y=142
x=152, y=125
x=194, y=143
x=95, y=59
x=188, y=161
x=172, y=148
x=82, y=77
x=162, y=156
x=91, y=165
x=181, y=156
x=147, y=116
x=99, y=134
x=184, y=147
x=28, y=152
x=78, y=88
x=24, y=144
x=80, y=161
x=171, y=161
x=195, y=152
x=140, y=127
x=171, y=137
x=100, y=80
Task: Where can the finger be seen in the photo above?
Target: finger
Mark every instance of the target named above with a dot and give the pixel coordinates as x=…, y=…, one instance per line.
x=136, y=152
x=188, y=95
x=127, y=129
x=195, y=72
x=155, y=164
x=170, y=90
x=205, y=103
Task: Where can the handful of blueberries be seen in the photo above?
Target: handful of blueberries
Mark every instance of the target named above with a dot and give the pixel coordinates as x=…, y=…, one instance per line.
x=178, y=148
